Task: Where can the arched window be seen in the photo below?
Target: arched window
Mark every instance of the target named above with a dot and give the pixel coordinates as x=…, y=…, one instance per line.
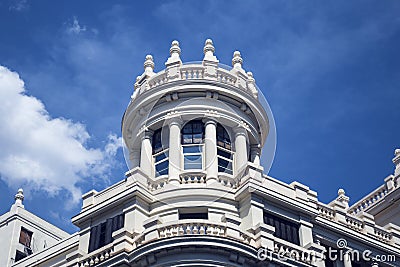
x=160, y=154
x=224, y=150
x=192, y=139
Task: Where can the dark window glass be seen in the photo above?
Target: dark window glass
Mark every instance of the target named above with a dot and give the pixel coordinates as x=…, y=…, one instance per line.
x=284, y=229
x=193, y=162
x=192, y=149
x=223, y=139
x=156, y=142
x=224, y=150
x=25, y=237
x=19, y=255
x=162, y=168
x=202, y=215
x=193, y=132
x=224, y=153
x=161, y=156
x=101, y=234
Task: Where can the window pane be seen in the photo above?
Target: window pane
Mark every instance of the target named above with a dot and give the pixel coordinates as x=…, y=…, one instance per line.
x=224, y=154
x=193, y=162
x=156, y=142
x=198, y=138
x=187, y=129
x=197, y=127
x=192, y=149
x=162, y=166
x=161, y=156
x=187, y=139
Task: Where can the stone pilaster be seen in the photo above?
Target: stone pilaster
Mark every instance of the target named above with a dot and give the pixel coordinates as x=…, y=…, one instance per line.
x=174, y=167
x=211, y=159
x=146, y=153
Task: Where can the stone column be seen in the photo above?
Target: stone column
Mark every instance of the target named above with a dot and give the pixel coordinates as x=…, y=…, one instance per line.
x=174, y=167
x=346, y=259
x=134, y=157
x=241, y=149
x=211, y=159
x=255, y=154
x=146, y=153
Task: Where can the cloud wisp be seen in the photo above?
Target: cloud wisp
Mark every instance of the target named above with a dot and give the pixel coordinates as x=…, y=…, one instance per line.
x=45, y=153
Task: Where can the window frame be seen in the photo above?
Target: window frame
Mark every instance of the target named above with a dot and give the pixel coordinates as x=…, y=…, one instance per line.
x=226, y=147
x=156, y=152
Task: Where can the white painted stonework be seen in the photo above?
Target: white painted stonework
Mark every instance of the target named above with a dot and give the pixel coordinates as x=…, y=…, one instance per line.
x=196, y=195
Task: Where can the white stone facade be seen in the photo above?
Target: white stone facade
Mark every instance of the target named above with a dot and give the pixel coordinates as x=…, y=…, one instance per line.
x=196, y=194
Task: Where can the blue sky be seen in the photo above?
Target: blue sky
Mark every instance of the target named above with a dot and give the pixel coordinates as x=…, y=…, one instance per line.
x=329, y=70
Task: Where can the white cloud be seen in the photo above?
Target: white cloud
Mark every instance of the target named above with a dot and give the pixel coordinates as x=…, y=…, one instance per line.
x=19, y=5
x=75, y=28
x=45, y=153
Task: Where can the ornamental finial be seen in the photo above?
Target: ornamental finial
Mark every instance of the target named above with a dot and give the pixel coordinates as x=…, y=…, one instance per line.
x=19, y=197
x=209, y=50
x=237, y=60
x=174, y=52
x=148, y=64
x=209, y=46
x=397, y=152
x=175, y=48
x=343, y=198
x=341, y=192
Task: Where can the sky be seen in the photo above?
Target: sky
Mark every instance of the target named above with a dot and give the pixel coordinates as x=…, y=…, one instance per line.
x=330, y=71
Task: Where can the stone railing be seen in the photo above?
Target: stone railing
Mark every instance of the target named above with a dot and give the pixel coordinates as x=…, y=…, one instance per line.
x=97, y=256
x=326, y=211
x=193, y=178
x=157, y=230
x=382, y=234
x=375, y=196
x=224, y=76
x=158, y=79
x=196, y=71
x=362, y=223
x=293, y=251
x=354, y=223
x=157, y=183
x=369, y=200
x=192, y=72
x=192, y=228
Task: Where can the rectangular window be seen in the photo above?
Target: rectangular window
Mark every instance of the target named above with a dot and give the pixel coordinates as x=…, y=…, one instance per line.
x=19, y=255
x=203, y=216
x=101, y=234
x=193, y=213
x=284, y=229
x=225, y=160
x=161, y=163
x=192, y=157
x=25, y=237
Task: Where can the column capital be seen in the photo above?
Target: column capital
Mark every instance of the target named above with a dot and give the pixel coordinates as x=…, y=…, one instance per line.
x=240, y=130
x=209, y=121
x=175, y=121
x=147, y=134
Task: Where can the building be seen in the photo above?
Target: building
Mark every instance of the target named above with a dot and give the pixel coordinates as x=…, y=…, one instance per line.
x=23, y=233
x=196, y=195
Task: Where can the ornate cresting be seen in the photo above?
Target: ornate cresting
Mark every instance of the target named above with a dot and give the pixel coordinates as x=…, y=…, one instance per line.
x=208, y=69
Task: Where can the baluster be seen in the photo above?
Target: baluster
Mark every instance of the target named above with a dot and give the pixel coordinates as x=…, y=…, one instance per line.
x=195, y=230
x=181, y=231
x=202, y=231
x=188, y=230
x=209, y=230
